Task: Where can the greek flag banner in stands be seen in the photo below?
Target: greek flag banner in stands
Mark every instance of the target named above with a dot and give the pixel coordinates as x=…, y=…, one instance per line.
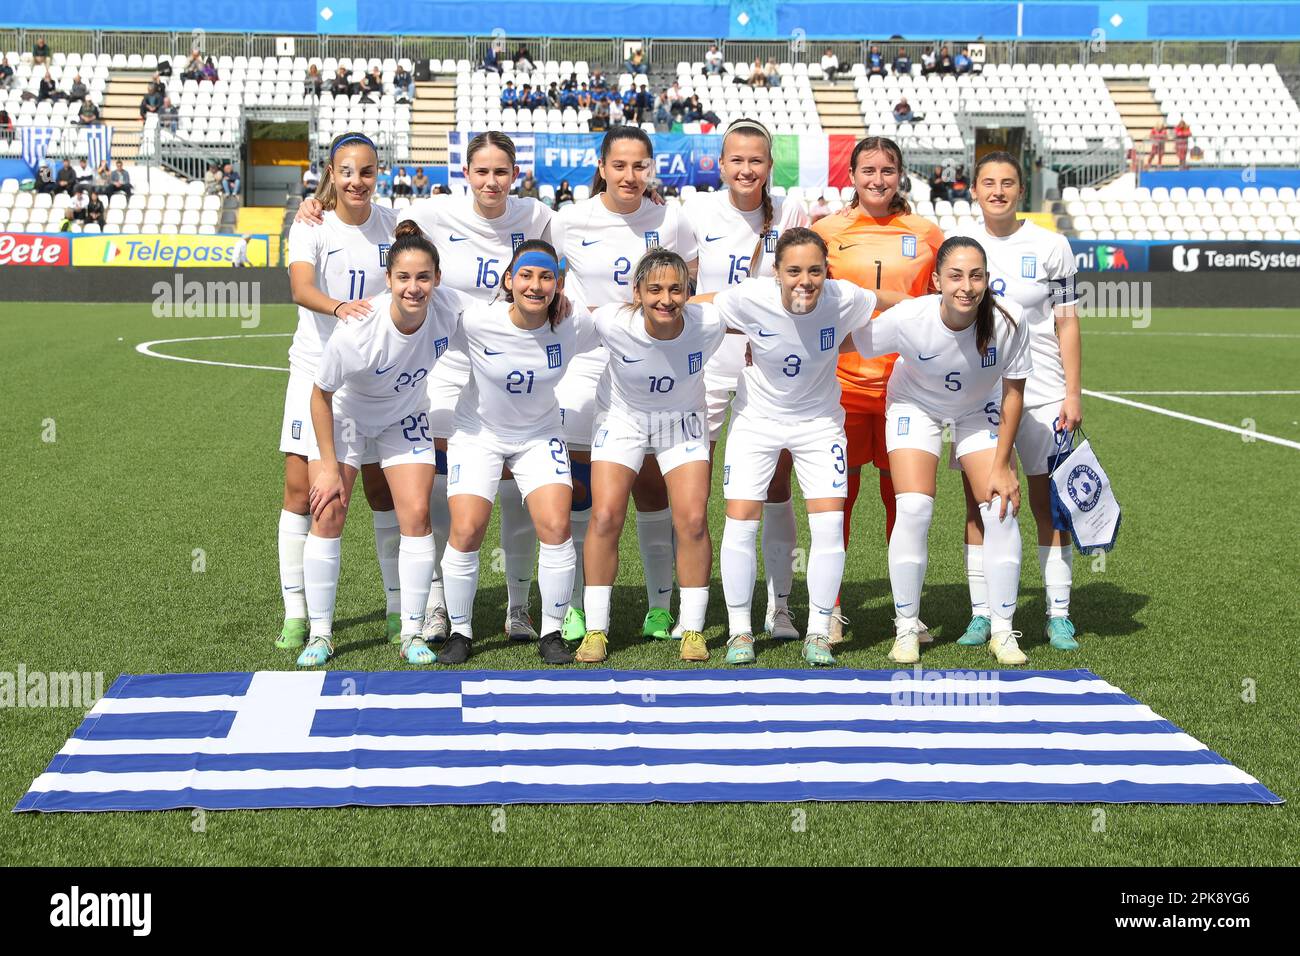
x=458, y=141
x=99, y=145
x=350, y=738
x=36, y=140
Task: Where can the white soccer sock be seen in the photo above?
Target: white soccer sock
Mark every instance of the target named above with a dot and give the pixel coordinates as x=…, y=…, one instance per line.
x=694, y=607
x=1001, y=563
x=556, y=564
x=518, y=539
x=779, y=539
x=320, y=567
x=654, y=535
x=578, y=521
x=440, y=521
x=415, y=571
x=1057, y=564
x=292, y=538
x=386, y=544
x=825, y=568
x=908, y=556
x=597, y=598
x=739, y=569
x=979, y=589
x=460, y=579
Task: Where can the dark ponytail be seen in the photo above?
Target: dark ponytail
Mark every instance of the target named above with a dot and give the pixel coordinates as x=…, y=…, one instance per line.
x=606, y=144
x=871, y=144
x=559, y=305
x=989, y=308
x=408, y=238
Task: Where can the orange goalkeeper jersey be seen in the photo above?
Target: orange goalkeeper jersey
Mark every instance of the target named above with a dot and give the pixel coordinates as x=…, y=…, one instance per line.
x=896, y=253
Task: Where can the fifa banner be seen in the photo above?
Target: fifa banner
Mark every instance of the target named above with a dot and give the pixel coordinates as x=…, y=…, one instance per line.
x=681, y=159
x=1185, y=256
x=171, y=251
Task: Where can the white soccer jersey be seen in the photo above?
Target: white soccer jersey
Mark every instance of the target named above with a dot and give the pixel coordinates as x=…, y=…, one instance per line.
x=1034, y=268
x=938, y=369
x=726, y=237
x=377, y=373
x=511, y=390
x=648, y=376
x=350, y=262
x=792, y=378
x=473, y=252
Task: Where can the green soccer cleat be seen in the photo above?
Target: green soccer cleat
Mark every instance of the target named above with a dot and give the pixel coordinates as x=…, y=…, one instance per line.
x=658, y=625
x=393, y=629
x=817, y=650
x=575, y=625
x=317, y=652
x=1060, y=634
x=740, y=649
x=293, y=634
x=977, y=632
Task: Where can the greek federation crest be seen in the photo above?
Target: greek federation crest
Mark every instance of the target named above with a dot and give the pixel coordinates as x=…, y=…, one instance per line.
x=1084, y=486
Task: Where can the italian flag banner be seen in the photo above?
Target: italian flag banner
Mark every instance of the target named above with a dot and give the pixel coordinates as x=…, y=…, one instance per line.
x=812, y=161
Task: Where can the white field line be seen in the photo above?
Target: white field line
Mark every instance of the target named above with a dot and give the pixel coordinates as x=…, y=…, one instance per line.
x=1259, y=436
x=146, y=348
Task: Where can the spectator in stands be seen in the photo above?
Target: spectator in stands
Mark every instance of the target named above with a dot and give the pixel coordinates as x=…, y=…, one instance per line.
x=6, y=121
x=537, y=98
x=45, y=181
x=875, y=62
x=103, y=177
x=151, y=103
x=79, y=203
x=1182, y=137
x=819, y=209
x=903, y=112
x=78, y=90
x=628, y=96
x=563, y=193
x=616, y=115
x=119, y=181
x=402, y=183
x=636, y=63
x=713, y=61
x=403, y=85
x=960, y=188
x=69, y=217
x=85, y=174
x=340, y=86
x=48, y=90
x=212, y=181
x=1159, y=135
x=663, y=114
x=938, y=185
x=929, y=62
x=491, y=60
x=67, y=178
x=509, y=96
x=645, y=104
x=528, y=187
x=193, y=67
x=94, y=211
x=384, y=180
x=374, y=82
x=524, y=59
x=210, y=71
x=599, y=81
x=310, y=180
x=524, y=95
x=40, y=52
x=169, y=117
x=314, y=82
x=164, y=67
x=553, y=96
x=902, y=63
x=569, y=93
x=830, y=64
x=230, y=181
x=584, y=98
x=757, y=75
x=89, y=112
x=599, y=121
x=771, y=71
x=694, y=109
x=963, y=62
x=6, y=73
x=420, y=184
x=945, y=66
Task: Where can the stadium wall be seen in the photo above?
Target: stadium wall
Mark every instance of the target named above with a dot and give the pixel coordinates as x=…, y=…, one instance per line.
x=1126, y=20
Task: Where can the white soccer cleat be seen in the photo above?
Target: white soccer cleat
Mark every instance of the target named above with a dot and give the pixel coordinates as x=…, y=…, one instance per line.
x=1006, y=648
x=436, y=625
x=838, y=621
x=519, y=626
x=907, y=647
x=780, y=625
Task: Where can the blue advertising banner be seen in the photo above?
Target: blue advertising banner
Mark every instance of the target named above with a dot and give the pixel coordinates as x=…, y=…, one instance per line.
x=1185, y=256
x=680, y=159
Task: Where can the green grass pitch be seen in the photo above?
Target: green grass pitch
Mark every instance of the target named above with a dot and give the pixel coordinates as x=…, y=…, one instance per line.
x=154, y=459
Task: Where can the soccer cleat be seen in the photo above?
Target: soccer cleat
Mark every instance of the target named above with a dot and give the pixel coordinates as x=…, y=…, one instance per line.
x=293, y=634
x=519, y=626
x=780, y=625
x=740, y=649
x=455, y=650
x=593, y=649
x=977, y=632
x=838, y=621
x=393, y=629
x=552, y=649
x=436, y=626
x=575, y=624
x=817, y=650
x=1005, y=648
x=658, y=625
x=415, y=651
x=1060, y=634
x=907, y=647
x=923, y=634
x=693, y=646
x=318, y=650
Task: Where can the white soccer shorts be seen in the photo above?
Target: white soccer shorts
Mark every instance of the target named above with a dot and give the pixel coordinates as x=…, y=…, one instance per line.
x=626, y=438
x=910, y=426
x=474, y=463
x=1036, y=439
x=818, y=447
x=409, y=442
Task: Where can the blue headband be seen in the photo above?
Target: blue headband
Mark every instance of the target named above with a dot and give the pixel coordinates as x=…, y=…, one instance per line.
x=353, y=138
x=535, y=257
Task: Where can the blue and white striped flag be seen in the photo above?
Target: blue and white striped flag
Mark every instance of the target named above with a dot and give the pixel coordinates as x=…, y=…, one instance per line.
x=340, y=738
x=525, y=150
x=99, y=145
x=36, y=140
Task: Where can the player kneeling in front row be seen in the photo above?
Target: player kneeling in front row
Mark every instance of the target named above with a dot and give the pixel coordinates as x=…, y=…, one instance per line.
x=956, y=349
x=651, y=401
x=370, y=401
x=508, y=416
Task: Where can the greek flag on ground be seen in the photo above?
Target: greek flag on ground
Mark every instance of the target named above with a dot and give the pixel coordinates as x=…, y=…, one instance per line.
x=344, y=738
